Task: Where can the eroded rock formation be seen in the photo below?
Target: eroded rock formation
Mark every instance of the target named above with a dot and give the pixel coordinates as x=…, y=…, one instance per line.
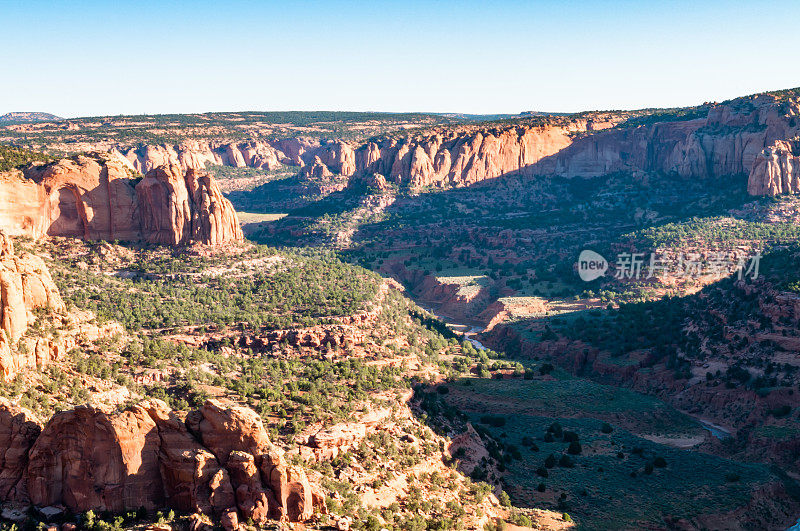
x=756, y=135
x=99, y=459
x=19, y=429
x=177, y=208
x=260, y=154
x=25, y=285
x=102, y=197
x=265, y=486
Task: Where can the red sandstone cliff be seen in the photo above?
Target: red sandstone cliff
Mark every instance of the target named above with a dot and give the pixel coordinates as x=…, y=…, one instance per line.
x=260, y=154
x=96, y=197
x=90, y=458
x=755, y=135
x=25, y=285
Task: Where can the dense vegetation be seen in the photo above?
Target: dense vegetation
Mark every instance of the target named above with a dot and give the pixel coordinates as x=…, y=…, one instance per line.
x=716, y=231
x=283, y=290
x=14, y=157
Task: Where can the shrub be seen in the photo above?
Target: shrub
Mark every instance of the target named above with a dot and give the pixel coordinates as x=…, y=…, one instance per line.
x=566, y=461
x=606, y=428
x=571, y=436
x=781, y=411
x=505, y=500
x=659, y=462
x=574, y=448
x=541, y=487
x=492, y=420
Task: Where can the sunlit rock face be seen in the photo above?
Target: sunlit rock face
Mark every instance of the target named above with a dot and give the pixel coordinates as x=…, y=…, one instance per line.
x=101, y=196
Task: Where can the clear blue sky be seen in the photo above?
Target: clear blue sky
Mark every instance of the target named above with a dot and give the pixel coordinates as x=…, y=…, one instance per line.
x=84, y=58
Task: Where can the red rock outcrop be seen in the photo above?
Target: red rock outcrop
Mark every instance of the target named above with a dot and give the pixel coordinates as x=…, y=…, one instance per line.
x=776, y=169
x=96, y=197
x=86, y=196
x=196, y=155
x=19, y=428
x=265, y=485
x=25, y=285
x=214, y=219
x=756, y=136
x=176, y=209
x=193, y=478
x=463, y=158
x=99, y=459
x=88, y=458
x=316, y=169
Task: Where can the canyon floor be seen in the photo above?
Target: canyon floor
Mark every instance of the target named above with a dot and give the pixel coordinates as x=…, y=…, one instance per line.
x=402, y=335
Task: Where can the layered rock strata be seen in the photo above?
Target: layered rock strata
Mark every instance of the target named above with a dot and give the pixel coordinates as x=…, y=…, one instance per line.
x=758, y=136
x=219, y=462
x=102, y=197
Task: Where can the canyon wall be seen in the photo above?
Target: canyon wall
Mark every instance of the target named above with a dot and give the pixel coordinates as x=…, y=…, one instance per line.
x=260, y=154
x=99, y=197
x=220, y=462
x=25, y=285
x=448, y=158
x=758, y=136
x=755, y=135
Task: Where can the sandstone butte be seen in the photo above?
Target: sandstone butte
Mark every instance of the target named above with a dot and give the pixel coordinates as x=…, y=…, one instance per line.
x=755, y=135
x=102, y=197
x=218, y=462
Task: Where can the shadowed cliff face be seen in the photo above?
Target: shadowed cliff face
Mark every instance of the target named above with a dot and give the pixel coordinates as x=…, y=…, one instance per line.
x=755, y=135
x=101, y=197
x=750, y=136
